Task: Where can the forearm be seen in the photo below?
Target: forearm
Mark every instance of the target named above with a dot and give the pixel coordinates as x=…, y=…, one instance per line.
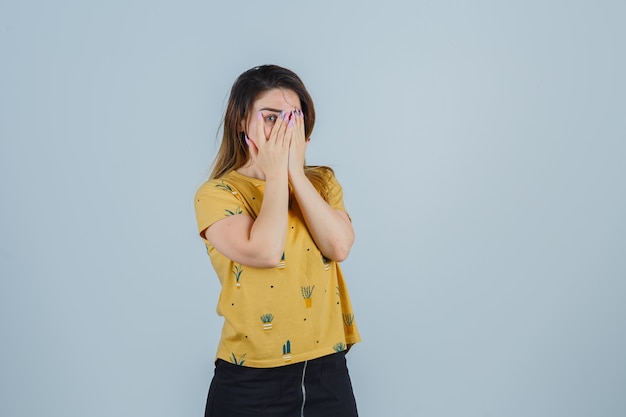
x=269, y=231
x=331, y=229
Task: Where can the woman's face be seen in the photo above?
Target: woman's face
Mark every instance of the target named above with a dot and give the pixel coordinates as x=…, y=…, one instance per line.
x=270, y=104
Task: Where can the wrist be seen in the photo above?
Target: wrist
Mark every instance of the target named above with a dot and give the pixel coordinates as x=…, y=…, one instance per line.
x=276, y=174
x=296, y=171
x=276, y=177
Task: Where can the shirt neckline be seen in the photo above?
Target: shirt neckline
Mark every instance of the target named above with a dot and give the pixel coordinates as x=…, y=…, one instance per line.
x=255, y=181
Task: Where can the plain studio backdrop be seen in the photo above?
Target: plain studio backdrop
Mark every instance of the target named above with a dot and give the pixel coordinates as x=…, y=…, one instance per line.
x=481, y=146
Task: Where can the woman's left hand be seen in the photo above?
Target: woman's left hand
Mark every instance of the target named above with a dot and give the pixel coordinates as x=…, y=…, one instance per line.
x=297, y=148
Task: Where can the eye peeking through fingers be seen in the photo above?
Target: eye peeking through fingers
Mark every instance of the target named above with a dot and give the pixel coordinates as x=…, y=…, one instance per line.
x=271, y=118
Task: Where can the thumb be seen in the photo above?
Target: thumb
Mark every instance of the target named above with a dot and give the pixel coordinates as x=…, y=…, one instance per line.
x=254, y=151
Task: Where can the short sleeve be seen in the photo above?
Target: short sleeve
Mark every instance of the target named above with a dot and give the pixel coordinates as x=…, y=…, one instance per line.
x=335, y=194
x=215, y=200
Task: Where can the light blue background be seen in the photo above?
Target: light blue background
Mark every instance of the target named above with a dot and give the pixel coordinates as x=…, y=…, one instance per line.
x=482, y=150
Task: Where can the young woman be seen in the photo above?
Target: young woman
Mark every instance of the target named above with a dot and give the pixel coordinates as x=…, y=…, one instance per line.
x=276, y=230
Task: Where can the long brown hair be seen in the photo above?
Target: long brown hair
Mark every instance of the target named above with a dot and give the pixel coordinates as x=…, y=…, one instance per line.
x=233, y=152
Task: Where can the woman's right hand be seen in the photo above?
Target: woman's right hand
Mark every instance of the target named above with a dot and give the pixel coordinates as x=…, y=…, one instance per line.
x=271, y=154
x=260, y=242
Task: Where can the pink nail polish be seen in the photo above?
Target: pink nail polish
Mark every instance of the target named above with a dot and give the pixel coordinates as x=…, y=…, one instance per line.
x=259, y=116
x=291, y=123
x=247, y=140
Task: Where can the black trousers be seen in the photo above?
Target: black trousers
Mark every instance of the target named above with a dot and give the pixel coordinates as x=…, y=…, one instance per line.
x=317, y=388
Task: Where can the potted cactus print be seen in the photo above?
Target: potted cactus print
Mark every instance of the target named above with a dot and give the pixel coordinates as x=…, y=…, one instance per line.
x=237, y=361
x=287, y=351
x=237, y=270
x=307, y=292
x=339, y=347
x=281, y=264
x=326, y=262
x=266, y=319
x=348, y=321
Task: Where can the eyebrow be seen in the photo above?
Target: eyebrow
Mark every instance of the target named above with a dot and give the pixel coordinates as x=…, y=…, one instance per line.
x=270, y=109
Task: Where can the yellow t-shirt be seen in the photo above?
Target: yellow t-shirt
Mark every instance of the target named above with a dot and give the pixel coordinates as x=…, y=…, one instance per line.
x=296, y=311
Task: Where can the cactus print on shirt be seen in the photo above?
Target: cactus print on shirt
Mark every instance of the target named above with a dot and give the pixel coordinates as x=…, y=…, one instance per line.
x=296, y=311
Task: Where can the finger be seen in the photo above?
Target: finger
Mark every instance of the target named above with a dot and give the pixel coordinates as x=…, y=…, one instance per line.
x=300, y=123
x=297, y=126
x=292, y=119
x=260, y=130
x=278, y=133
x=289, y=133
x=275, y=128
x=291, y=128
x=254, y=150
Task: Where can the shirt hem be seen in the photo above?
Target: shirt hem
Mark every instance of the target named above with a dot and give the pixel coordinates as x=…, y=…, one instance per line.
x=285, y=360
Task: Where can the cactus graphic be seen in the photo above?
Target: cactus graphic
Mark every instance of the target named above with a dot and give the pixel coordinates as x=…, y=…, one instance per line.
x=281, y=264
x=348, y=320
x=307, y=292
x=226, y=187
x=287, y=351
x=232, y=213
x=326, y=262
x=237, y=270
x=266, y=319
x=239, y=361
x=339, y=347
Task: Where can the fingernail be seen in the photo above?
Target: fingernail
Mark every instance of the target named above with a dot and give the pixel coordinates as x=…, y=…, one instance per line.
x=259, y=116
x=285, y=115
x=247, y=140
x=291, y=123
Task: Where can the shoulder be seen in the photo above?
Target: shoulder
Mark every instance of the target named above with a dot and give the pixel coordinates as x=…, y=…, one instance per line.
x=217, y=192
x=321, y=171
x=322, y=177
x=215, y=199
x=325, y=182
x=226, y=184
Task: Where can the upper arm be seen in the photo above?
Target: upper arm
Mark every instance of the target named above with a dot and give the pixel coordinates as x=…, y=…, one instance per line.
x=343, y=244
x=225, y=222
x=231, y=237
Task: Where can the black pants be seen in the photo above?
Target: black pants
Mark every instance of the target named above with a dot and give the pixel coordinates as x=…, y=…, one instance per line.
x=316, y=388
